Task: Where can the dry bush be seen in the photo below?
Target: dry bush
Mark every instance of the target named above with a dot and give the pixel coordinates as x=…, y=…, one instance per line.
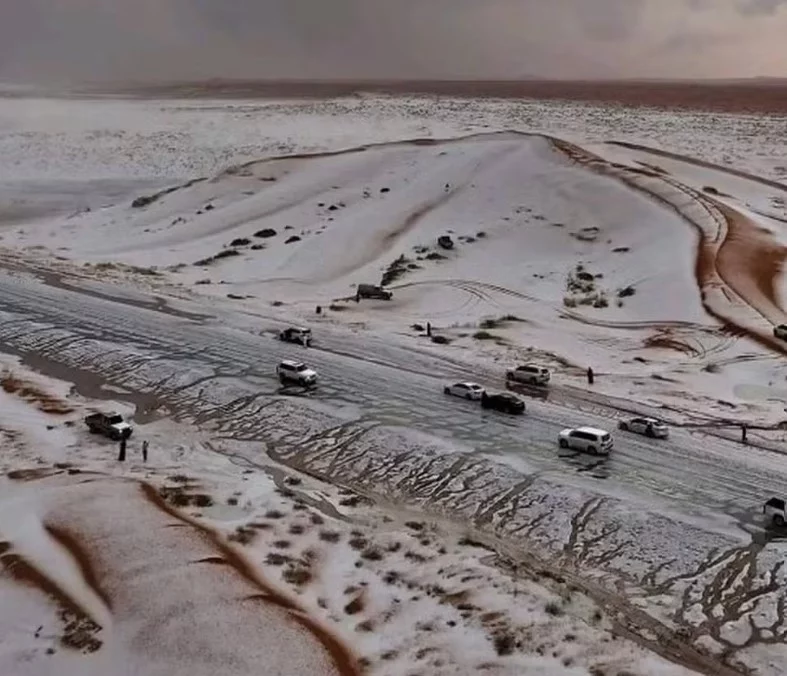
x=242, y=535
x=329, y=536
x=372, y=554
x=358, y=543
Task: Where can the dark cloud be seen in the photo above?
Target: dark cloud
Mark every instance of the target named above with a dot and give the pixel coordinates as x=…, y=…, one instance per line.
x=166, y=39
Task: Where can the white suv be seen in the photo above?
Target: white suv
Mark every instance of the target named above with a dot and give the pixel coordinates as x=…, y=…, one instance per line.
x=586, y=439
x=530, y=374
x=290, y=371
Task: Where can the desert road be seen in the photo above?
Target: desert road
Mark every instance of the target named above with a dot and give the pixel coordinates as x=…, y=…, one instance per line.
x=382, y=383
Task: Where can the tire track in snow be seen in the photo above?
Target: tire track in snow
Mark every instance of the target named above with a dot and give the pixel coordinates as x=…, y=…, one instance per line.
x=720, y=265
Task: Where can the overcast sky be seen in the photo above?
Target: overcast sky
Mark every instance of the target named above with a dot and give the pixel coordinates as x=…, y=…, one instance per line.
x=174, y=39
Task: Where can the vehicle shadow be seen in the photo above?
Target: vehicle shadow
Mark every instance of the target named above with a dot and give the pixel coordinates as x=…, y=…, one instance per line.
x=296, y=390
x=761, y=530
x=582, y=463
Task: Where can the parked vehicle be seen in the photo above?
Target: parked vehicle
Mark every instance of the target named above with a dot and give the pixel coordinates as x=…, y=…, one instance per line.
x=530, y=374
x=465, y=390
x=650, y=427
x=780, y=331
x=296, y=334
x=372, y=291
x=505, y=402
x=776, y=510
x=291, y=371
x=110, y=425
x=586, y=440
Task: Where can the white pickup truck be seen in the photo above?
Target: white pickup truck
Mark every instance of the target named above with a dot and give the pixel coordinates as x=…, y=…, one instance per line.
x=776, y=510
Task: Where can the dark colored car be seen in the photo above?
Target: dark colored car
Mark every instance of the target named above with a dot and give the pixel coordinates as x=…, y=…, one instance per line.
x=505, y=402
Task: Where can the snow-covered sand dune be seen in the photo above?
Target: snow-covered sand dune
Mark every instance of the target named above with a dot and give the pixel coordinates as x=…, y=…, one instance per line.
x=590, y=253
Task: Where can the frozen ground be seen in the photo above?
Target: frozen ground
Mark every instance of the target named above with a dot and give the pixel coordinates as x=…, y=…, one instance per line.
x=687, y=255
x=659, y=266
x=109, y=568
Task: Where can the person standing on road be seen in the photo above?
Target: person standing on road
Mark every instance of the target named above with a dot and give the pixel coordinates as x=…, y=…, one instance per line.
x=744, y=433
x=122, y=455
x=428, y=329
x=145, y=451
x=591, y=376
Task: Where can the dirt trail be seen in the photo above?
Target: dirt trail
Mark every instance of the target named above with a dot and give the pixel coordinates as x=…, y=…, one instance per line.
x=701, y=163
x=738, y=259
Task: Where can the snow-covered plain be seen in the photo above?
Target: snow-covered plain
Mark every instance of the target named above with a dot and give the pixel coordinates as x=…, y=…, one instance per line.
x=130, y=552
x=662, y=272
x=686, y=255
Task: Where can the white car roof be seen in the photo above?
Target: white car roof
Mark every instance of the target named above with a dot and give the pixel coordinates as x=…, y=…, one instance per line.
x=590, y=430
x=472, y=386
x=291, y=362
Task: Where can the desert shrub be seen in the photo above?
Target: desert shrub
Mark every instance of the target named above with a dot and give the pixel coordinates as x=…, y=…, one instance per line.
x=490, y=324
x=242, y=535
x=441, y=340
x=626, y=291
x=553, y=608
x=358, y=543
x=504, y=644
x=240, y=241
x=395, y=270
x=484, y=335
x=202, y=500
x=291, y=239
x=329, y=536
x=372, y=554
x=224, y=253
x=265, y=232
x=297, y=575
x=434, y=256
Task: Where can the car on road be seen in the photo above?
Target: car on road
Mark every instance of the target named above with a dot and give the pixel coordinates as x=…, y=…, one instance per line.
x=296, y=334
x=110, y=425
x=776, y=510
x=530, y=374
x=586, y=439
x=505, y=402
x=650, y=427
x=780, y=331
x=465, y=390
x=291, y=371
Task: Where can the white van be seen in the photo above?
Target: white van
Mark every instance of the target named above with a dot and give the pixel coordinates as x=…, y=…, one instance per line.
x=586, y=440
